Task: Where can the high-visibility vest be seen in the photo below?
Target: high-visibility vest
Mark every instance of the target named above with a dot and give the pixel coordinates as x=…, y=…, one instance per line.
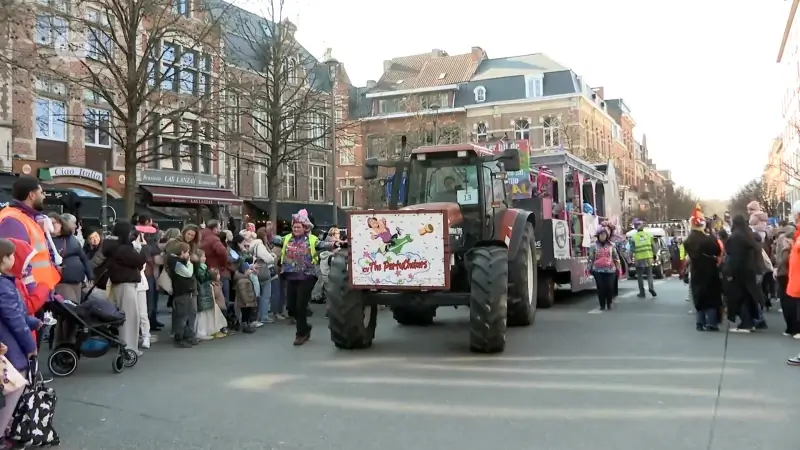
x=793, y=288
x=681, y=252
x=312, y=246
x=42, y=269
x=642, y=246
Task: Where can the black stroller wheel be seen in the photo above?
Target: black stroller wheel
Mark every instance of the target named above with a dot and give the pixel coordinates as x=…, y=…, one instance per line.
x=118, y=364
x=62, y=362
x=131, y=358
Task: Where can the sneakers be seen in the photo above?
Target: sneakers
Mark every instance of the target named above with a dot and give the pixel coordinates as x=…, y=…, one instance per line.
x=247, y=328
x=794, y=361
x=182, y=344
x=268, y=319
x=653, y=293
x=256, y=324
x=219, y=335
x=145, y=343
x=280, y=316
x=742, y=330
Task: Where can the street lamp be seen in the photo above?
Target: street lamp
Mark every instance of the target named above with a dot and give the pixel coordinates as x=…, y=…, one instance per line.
x=435, y=109
x=333, y=66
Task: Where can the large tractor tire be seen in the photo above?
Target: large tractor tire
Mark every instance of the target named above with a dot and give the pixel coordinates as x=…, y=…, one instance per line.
x=546, y=291
x=488, y=299
x=522, y=274
x=351, y=323
x=413, y=315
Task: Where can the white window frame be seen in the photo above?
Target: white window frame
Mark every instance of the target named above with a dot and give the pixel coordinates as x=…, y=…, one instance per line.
x=482, y=131
x=522, y=129
x=317, y=175
x=261, y=182
x=291, y=70
x=550, y=131
x=97, y=36
x=56, y=33
x=95, y=130
x=534, y=86
x=480, y=94
x=347, y=192
x=52, y=120
x=182, y=7
x=291, y=180
x=317, y=134
x=346, y=149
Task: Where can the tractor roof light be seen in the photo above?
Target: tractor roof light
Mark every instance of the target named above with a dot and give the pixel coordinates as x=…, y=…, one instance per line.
x=462, y=154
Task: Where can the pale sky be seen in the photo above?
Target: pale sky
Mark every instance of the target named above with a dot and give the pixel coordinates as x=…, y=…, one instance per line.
x=699, y=75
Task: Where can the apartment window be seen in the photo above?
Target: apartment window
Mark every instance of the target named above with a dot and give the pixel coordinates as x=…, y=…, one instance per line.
x=204, y=83
x=534, y=86
x=291, y=70
x=51, y=119
x=550, y=129
x=96, y=127
x=205, y=157
x=181, y=7
x=391, y=105
x=232, y=115
x=262, y=179
x=56, y=5
x=168, y=69
x=183, y=70
x=188, y=72
x=376, y=147
x=615, y=131
x=99, y=44
x=480, y=94
x=317, y=133
x=260, y=117
x=481, y=132
x=346, y=150
x=522, y=129
x=347, y=193
x=234, y=175
x=316, y=183
x=291, y=180
x=450, y=135
x=51, y=31
x=439, y=99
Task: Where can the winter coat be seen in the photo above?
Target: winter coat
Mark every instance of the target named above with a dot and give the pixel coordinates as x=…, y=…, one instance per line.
x=215, y=250
x=219, y=296
x=205, y=296
x=15, y=324
x=245, y=292
x=703, y=251
x=783, y=247
x=75, y=266
x=124, y=262
x=181, y=272
x=741, y=270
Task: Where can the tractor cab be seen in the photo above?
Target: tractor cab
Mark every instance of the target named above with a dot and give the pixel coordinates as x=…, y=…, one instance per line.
x=466, y=180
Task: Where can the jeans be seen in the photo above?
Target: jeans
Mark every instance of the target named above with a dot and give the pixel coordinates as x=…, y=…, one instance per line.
x=641, y=270
x=707, y=319
x=184, y=313
x=264, y=298
x=605, y=287
x=277, y=300
x=298, y=294
x=152, y=299
x=226, y=290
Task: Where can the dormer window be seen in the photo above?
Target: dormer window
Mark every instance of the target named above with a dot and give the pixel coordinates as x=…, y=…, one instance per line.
x=442, y=75
x=534, y=86
x=480, y=94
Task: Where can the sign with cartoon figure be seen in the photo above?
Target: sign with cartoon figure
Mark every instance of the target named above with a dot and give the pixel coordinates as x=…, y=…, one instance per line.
x=399, y=249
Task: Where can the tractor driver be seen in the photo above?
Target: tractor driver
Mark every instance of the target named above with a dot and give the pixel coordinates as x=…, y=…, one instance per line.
x=448, y=191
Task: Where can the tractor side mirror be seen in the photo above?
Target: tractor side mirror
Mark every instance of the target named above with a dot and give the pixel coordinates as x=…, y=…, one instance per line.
x=370, y=169
x=510, y=159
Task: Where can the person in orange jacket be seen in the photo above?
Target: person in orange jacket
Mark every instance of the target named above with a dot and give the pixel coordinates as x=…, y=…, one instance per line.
x=33, y=295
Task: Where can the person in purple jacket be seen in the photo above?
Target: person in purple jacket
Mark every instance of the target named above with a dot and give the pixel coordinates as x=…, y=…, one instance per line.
x=299, y=256
x=15, y=327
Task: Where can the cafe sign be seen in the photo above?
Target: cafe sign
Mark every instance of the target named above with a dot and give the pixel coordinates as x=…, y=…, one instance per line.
x=48, y=174
x=179, y=179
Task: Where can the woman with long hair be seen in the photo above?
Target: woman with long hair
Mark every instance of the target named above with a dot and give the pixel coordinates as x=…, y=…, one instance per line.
x=75, y=268
x=604, y=263
x=743, y=256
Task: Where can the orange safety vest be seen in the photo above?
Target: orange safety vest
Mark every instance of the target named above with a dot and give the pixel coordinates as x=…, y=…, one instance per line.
x=793, y=288
x=42, y=269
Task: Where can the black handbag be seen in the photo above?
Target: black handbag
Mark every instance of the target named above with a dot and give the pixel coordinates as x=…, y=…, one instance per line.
x=32, y=421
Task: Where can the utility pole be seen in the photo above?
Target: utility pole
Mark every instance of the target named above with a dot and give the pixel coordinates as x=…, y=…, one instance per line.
x=104, y=194
x=333, y=65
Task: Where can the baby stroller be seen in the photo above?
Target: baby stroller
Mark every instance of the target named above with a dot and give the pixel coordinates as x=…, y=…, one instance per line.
x=89, y=330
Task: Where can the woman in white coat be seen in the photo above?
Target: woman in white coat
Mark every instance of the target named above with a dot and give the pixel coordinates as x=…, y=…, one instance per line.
x=264, y=263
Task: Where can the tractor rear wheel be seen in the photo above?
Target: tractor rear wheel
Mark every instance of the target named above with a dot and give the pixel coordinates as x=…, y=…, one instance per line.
x=488, y=299
x=522, y=274
x=414, y=316
x=351, y=323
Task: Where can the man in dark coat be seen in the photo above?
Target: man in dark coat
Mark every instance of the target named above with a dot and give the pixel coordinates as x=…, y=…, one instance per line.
x=741, y=271
x=705, y=283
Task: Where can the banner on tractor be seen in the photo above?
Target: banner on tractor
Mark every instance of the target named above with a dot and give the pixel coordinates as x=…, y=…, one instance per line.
x=520, y=181
x=399, y=249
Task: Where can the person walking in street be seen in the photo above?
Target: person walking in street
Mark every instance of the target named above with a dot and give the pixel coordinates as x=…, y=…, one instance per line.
x=644, y=251
x=299, y=256
x=605, y=264
x=125, y=263
x=705, y=284
x=743, y=255
x=783, y=250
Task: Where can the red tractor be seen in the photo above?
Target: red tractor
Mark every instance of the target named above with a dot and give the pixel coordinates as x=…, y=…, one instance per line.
x=453, y=240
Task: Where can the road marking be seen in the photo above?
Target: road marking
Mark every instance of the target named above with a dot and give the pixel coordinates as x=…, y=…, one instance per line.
x=485, y=412
x=578, y=371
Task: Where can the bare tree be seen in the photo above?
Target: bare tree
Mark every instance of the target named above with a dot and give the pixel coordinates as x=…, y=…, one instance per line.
x=283, y=92
x=563, y=131
x=143, y=71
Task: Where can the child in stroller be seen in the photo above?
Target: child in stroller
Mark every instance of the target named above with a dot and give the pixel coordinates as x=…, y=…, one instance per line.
x=89, y=329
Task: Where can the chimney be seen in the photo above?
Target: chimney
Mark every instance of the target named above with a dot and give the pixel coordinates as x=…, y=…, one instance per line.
x=478, y=54
x=387, y=65
x=371, y=84
x=288, y=27
x=436, y=53
x=600, y=92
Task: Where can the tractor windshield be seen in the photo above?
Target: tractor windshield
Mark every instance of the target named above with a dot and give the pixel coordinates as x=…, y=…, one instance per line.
x=440, y=178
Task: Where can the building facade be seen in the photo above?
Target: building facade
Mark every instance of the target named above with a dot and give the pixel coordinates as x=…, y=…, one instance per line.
x=789, y=59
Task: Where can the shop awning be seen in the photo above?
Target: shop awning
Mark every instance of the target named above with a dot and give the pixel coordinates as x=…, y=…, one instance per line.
x=192, y=196
x=320, y=214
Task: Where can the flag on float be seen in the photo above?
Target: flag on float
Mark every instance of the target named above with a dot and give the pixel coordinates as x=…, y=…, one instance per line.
x=546, y=171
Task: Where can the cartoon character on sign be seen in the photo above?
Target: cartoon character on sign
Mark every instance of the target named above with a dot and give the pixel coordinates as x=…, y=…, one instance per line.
x=387, y=241
x=388, y=258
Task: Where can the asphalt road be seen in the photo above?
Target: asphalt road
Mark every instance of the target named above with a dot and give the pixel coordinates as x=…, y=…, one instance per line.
x=638, y=377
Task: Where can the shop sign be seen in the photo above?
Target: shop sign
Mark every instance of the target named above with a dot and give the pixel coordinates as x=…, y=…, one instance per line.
x=48, y=174
x=179, y=179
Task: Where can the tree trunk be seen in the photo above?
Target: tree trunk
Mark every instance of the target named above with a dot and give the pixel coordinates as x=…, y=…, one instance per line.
x=130, y=180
